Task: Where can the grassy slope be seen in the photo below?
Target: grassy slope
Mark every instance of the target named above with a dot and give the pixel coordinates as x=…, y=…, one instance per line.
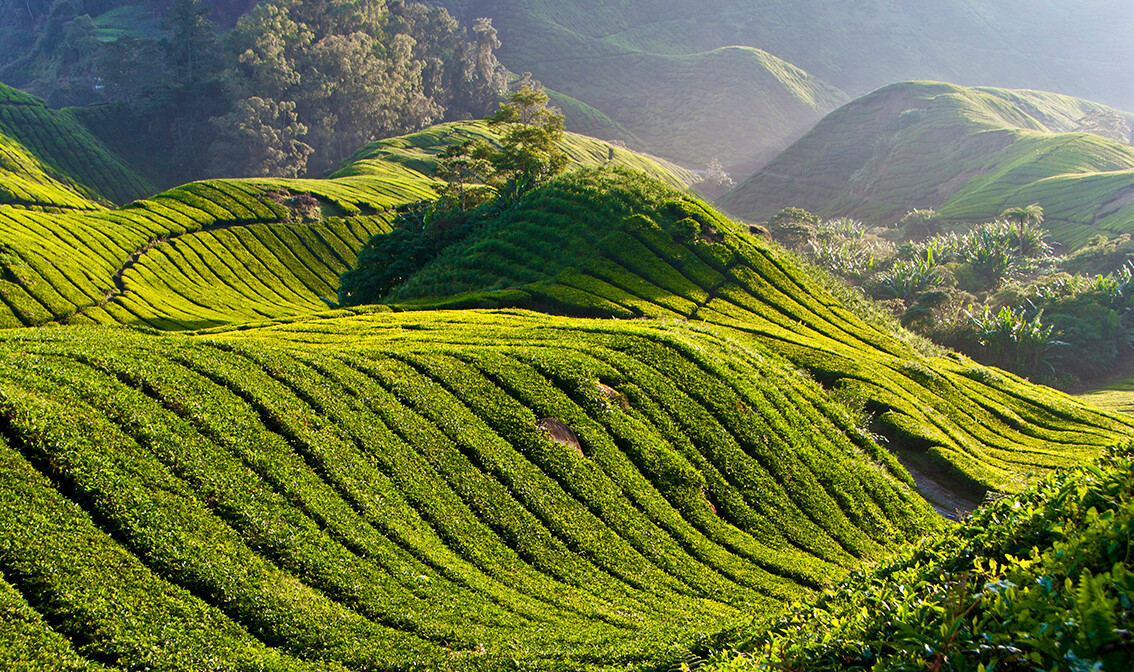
x=575, y=46
x=49, y=160
x=596, y=257
x=970, y=153
x=223, y=251
x=418, y=151
x=1117, y=396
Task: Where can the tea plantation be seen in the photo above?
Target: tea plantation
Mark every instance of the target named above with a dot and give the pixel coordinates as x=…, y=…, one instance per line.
x=610, y=244
x=600, y=427
x=48, y=160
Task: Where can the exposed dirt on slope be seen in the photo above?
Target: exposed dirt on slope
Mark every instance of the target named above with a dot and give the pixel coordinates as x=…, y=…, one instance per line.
x=948, y=496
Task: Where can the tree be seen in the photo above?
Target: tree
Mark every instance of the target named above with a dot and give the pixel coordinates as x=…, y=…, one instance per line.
x=190, y=48
x=464, y=166
x=259, y=137
x=529, y=154
x=1026, y=233
x=715, y=181
x=355, y=70
x=1031, y=214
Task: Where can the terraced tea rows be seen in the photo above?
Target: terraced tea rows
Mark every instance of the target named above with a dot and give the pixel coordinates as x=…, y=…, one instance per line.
x=410, y=487
x=208, y=253
x=51, y=160
x=224, y=251
x=391, y=503
x=639, y=250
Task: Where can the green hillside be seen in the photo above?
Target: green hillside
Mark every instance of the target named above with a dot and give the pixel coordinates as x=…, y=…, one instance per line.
x=418, y=152
x=604, y=424
x=208, y=253
x=223, y=251
x=49, y=160
x=968, y=153
x=628, y=59
x=608, y=244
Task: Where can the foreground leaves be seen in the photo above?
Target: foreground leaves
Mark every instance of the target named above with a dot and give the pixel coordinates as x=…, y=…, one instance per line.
x=1042, y=581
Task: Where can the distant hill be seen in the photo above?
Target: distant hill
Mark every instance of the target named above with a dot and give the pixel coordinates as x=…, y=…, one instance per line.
x=969, y=153
x=608, y=54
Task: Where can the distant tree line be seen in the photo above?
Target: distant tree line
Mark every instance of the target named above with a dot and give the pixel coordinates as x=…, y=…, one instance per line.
x=292, y=89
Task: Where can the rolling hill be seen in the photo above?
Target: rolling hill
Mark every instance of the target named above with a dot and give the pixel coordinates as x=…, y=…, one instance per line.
x=223, y=251
x=602, y=426
x=614, y=55
x=49, y=160
x=968, y=153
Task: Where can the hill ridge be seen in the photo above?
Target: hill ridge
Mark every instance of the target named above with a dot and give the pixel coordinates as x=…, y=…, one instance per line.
x=881, y=155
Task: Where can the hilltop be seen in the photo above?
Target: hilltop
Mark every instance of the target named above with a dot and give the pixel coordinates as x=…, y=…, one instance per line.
x=419, y=151
x=608, y=54
x=969, y=153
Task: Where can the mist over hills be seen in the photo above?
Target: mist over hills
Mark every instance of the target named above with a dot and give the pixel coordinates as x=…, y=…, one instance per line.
x=583, y=49
x=968, y=153
x=584, y=421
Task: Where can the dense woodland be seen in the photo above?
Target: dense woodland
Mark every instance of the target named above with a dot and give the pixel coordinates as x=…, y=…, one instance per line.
x=292, y=89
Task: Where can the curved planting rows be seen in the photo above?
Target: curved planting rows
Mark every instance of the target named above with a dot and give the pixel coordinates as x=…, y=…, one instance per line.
x=203, y=254
x=383, y=502
x=26, y=182
x=76, y=161
x=625, y=255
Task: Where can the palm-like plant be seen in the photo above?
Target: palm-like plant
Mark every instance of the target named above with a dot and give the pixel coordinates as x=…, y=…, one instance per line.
x=1014, y=339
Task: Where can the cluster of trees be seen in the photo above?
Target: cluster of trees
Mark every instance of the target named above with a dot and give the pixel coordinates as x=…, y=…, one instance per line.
x=482, y=179
x=997, y=292
x=293, y=89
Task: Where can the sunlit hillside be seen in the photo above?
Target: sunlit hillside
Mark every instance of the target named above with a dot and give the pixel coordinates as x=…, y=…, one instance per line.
x=968, y=153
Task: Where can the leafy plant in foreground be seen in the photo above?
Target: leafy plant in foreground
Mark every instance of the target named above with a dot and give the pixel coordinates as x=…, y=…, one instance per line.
x=1043, y=581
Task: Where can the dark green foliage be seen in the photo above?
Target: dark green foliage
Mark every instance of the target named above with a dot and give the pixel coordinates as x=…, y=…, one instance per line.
x=1041, y=581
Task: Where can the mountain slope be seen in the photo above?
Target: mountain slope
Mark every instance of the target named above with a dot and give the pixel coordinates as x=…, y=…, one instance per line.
x=969, y=153
x=49, y=160
x=574, y=47
x=609, y=244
